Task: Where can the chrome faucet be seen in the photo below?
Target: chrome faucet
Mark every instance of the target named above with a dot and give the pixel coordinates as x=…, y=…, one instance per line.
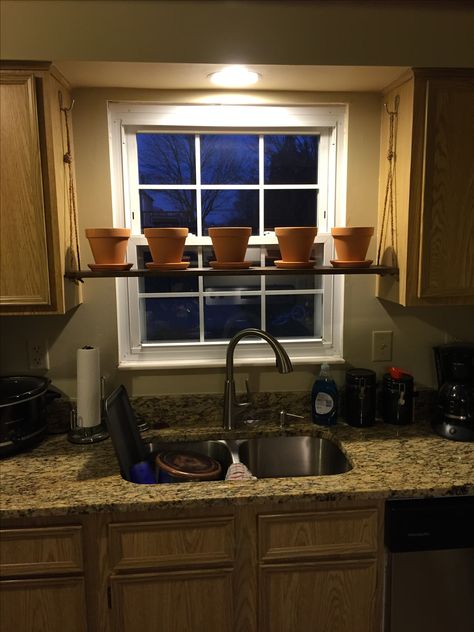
x=232, y=407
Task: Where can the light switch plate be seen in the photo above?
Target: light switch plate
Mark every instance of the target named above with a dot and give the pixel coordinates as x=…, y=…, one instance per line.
x=382, y=346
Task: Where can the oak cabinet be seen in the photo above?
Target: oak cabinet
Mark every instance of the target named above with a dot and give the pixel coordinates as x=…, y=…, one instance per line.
x=188, y=578
x=42, y=587
x=37, y=225
x=257, y=568
x=433, y=188
x=319, y=571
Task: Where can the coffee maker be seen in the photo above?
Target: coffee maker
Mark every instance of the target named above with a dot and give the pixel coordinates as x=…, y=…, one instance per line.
x=454, y=416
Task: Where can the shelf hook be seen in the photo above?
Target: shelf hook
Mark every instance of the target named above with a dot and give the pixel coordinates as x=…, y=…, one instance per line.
x=61, y=107
x=396, y=103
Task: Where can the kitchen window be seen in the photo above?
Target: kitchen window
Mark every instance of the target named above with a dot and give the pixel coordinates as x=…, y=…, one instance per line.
x=220, y=165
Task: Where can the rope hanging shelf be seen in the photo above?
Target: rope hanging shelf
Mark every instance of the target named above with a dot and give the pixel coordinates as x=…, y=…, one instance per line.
x=252, y=271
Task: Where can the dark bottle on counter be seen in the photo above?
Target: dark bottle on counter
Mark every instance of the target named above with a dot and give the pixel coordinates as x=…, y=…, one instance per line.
x=360, y=397
x=324, y=398
x=397, y=397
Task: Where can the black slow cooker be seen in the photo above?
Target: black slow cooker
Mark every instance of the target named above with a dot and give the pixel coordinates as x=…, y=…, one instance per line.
x=23, y=401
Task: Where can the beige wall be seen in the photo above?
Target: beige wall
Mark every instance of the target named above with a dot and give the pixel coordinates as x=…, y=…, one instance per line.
x=94, y=323
x=342, y=32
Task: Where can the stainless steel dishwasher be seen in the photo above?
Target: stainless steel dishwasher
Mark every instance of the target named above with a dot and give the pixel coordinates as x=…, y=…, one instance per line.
x=430, y=564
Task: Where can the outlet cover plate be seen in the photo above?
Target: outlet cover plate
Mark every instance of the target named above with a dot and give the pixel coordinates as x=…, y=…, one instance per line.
x=38, y=356
x=382, y=346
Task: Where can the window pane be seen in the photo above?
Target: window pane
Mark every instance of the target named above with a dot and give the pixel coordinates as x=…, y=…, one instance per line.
x=230, y=208
x=167, y=284
x=291, y=159
x=224, y=316
x=166, y=158
x=294, y=316
x=290, y=208
x=295, y=282
x=229, y=159
x=166, y=209
x=170, y=319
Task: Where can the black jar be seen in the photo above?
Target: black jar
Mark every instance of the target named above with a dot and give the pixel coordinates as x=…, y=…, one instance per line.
x=360, y=397
x=397, y=399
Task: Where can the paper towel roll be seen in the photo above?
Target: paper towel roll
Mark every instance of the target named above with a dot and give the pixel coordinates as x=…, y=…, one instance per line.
x=88, y=387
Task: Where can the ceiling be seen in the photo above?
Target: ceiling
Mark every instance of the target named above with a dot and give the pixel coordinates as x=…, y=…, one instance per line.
x=171, y=76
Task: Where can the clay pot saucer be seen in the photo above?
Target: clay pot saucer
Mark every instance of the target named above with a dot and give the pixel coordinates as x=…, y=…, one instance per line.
x=109, y=266
x=337, y=263
x=295, y=265
x=230, y=265
x=180, y=265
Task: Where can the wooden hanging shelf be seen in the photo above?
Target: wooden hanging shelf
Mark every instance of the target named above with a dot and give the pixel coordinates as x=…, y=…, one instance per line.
x=253, y=271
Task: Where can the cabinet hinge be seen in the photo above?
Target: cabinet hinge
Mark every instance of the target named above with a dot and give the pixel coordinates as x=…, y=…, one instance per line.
x=109, y=597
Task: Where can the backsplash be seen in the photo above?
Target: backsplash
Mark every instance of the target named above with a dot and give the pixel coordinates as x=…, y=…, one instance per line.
x=192, y=410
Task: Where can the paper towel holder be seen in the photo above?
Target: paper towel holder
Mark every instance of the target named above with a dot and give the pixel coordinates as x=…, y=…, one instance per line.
x=91, y=434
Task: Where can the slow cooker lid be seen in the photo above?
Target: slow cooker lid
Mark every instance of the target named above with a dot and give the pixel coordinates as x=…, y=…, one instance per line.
x=16, y=388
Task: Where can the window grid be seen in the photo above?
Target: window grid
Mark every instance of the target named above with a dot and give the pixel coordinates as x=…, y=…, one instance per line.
x=198, y=187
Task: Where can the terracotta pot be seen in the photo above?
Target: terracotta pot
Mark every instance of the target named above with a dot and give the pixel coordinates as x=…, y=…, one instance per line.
x=352, y=243
x=296, y=242
x=108, y=245
x=230, y=242
x=166, y=244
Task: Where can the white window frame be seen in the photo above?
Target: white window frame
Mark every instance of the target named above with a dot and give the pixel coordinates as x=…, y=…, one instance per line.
x=124, y=120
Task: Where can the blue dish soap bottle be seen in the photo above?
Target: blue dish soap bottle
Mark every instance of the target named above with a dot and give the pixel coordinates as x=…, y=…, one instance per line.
x=324, y=398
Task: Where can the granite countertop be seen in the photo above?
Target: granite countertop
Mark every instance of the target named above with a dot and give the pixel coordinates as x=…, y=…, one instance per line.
x=60, y=478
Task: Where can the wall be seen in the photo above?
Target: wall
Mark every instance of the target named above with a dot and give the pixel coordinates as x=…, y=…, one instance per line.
x=94, y=323
x=342, y=32
x=404, y=33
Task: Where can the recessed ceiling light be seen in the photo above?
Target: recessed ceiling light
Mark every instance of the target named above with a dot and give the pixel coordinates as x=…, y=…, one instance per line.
x=234, y=77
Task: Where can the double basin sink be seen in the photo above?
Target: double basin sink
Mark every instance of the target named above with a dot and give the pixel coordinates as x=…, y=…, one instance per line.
x=270, y=457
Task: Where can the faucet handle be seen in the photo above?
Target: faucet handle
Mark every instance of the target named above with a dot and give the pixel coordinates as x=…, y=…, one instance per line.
x=284, y=415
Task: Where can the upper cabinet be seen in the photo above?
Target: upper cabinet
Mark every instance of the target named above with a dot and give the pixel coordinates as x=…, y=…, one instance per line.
x=37, y=215
x=431, y=226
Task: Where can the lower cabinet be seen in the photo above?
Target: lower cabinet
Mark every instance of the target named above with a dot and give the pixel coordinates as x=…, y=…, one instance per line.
x=42, y=586
x=318, y=570
x=172, y=575
x=173, y=602
x=287, y=567
x=337, y=596
x=43, y=605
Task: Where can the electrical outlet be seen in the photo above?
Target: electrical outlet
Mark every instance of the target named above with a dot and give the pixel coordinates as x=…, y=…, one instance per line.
x=38, y=355
x=382, y=346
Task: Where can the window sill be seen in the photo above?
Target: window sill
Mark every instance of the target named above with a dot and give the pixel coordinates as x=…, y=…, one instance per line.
x=147, y=365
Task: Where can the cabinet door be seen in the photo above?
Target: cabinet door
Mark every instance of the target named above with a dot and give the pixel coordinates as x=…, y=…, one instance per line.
x=43, y=605
x=24, y=276
x=181, y=601
x=447, y=237
x=336, y=596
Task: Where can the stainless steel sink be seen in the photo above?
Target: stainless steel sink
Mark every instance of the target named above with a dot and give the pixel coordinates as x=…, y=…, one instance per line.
x=217, y=450
x=274, y=457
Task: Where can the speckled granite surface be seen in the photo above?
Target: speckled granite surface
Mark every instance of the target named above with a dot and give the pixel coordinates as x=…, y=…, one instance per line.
x=59, y=478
